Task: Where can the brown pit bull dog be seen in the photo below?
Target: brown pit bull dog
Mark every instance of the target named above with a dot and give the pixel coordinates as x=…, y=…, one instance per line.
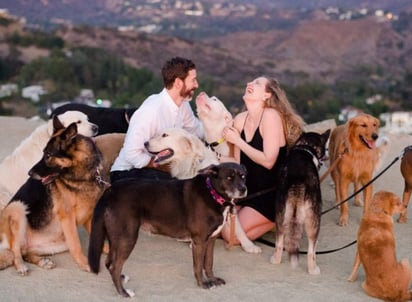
x=195, y=209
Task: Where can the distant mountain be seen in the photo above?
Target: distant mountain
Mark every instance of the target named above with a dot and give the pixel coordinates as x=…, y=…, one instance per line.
x=187, y=18
x=296, y=46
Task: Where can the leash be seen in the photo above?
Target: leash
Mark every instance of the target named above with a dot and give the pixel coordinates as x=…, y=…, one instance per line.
x=269, y=243
x=408, y=148
x=367, y=184
x=332, y=166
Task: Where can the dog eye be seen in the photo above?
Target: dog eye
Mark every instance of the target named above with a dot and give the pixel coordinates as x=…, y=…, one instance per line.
x=364, y=125
x=165, y=135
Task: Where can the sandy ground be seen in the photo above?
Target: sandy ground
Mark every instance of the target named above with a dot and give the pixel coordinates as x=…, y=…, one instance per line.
x=161, y=268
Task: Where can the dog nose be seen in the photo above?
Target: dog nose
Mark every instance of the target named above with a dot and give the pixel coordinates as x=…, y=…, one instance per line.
x=146, y=144
x=375, y=136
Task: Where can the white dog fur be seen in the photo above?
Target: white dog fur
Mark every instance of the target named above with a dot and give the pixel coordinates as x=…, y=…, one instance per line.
x=215, y=117
x=15, y=167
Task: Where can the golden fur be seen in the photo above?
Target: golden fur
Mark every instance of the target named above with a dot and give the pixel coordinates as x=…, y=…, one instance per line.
x=353, y=146
x=385, y=277
x=406, y=171
x=109, y=144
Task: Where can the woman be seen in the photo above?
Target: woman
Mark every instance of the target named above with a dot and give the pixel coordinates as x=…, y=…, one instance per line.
x=261, y=135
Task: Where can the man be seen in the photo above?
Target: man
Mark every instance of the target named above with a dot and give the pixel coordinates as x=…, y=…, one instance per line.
x=169, y=108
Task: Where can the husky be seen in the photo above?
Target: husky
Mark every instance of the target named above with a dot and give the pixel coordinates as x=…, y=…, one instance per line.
x=299, y=200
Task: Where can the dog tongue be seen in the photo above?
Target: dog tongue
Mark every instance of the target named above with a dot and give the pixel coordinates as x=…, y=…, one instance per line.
x=371, y=144
x=162, y=154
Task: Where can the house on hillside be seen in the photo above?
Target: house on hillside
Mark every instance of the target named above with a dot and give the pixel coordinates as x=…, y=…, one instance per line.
x=399, y=122
x=8, y=89
x=33, y=92
x=347, y=113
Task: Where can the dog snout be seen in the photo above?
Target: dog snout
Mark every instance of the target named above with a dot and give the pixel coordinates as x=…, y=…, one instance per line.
x=146, y=144
x=375, y=136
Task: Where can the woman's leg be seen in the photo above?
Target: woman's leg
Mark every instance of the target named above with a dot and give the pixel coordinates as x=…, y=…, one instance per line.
x=253, y=223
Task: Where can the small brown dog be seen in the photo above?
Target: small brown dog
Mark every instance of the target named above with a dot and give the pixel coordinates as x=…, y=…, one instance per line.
x=352, y=147
x=406, y=171
x=386, y=278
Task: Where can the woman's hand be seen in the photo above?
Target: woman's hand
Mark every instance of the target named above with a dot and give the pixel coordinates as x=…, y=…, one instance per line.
x=231, y=135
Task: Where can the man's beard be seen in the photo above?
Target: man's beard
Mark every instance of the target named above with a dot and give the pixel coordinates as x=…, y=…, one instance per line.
x=187, y=94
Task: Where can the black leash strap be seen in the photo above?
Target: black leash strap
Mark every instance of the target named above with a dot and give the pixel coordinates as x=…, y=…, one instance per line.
x=269, y=243
x=367, y=184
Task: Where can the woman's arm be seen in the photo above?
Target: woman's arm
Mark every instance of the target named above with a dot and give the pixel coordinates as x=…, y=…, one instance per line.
x=271, y=129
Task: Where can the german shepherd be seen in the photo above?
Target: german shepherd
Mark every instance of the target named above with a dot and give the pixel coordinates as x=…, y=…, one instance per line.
x=42, y=217
x=194, y=209
x=299, y=200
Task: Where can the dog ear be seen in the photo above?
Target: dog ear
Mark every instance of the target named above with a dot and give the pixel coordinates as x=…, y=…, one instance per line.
x=325, y=136
x=71, y=131
x=57, y=124
x=211, y=170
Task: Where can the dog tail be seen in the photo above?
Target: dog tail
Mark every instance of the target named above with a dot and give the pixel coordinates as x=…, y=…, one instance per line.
x=293, y=230
x=97, y=236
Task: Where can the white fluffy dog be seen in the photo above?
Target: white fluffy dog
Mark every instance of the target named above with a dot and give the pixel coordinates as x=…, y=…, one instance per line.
x=14, y=168
x=214, y=117
x=184, y=153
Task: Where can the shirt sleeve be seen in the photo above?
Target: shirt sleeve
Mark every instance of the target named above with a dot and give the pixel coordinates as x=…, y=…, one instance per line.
x=140, y=130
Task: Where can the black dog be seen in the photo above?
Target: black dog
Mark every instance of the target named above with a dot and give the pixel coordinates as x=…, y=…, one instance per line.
x=194, y=209
x=299, y=200
x=109, y=120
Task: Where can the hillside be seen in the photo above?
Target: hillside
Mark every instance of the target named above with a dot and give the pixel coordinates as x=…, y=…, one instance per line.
x=319, y=49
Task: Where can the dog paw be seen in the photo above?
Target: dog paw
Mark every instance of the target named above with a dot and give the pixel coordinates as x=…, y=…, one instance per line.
x=23, y=270
x=46, y=263
x=275, y=260
x=358, y=203
x=402, y=219
x=314, y=271
x=213, y=282
x=130, y=292
x=343, y=222
x=252, y=248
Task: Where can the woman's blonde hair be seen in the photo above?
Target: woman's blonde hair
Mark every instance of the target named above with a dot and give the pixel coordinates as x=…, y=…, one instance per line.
x=292, y=122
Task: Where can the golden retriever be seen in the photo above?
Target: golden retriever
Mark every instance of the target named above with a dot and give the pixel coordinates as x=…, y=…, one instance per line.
x=385, y=277
x=352, y=147
x=406, y=171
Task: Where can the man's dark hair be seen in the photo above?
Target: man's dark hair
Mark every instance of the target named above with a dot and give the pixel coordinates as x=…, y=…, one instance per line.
x=176, y=67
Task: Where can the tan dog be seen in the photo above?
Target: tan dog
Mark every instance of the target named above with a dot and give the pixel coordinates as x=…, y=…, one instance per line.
x=386, y=278
x=109, y=144
x=352, y=147
x=214, y=117
x=406, y=171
